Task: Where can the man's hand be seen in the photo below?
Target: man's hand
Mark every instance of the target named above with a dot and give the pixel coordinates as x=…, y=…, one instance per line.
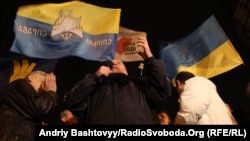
x=103, y=71
x=142, y=42
x=50, y=83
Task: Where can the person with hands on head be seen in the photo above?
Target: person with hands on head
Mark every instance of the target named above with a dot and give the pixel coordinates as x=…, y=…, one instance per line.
x=23, y=104
x=118, y=98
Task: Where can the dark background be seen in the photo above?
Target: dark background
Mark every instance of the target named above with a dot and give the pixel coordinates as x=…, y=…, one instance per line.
x=162, y=20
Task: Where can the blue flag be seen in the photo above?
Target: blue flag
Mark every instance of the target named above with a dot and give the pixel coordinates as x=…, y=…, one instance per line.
x=12, y=68
x=75, y=28
x=205, y=52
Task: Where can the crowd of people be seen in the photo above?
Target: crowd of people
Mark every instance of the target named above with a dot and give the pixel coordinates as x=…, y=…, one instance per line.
x=110, y=96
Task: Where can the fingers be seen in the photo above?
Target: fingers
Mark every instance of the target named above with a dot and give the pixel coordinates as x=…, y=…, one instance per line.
x=103, y=70
x=140, y=38
x=142, y=42
x=50, y=77
x=50, y=82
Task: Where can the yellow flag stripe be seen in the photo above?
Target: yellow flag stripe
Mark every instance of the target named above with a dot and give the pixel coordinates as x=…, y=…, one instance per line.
x=221, y=60
x=89, y=14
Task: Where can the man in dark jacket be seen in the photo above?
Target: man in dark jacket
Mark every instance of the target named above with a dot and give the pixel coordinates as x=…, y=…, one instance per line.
x=112, y=97
x=23, y=103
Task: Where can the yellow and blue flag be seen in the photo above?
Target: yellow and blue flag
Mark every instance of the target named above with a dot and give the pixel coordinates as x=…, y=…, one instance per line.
x=205, y=52
x=15, y=67
x=57, y=30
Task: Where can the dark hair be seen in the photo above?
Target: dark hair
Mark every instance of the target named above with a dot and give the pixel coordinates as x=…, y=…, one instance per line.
x=183, y=76
x=170, y=106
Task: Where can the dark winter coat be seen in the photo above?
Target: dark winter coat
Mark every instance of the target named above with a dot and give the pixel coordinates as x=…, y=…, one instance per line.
x=120, y=99
x=21, y=108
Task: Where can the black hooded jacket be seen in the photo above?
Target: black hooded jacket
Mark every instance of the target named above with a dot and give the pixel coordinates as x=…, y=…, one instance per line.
x=120, y=99
x=21, y=108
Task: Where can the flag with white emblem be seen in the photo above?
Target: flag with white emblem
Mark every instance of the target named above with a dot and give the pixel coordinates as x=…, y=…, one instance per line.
x=75, y=28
